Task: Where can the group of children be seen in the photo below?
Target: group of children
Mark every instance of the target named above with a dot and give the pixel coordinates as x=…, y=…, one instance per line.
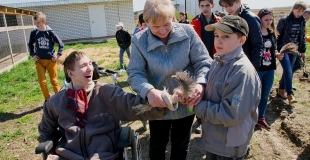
x=244, y=47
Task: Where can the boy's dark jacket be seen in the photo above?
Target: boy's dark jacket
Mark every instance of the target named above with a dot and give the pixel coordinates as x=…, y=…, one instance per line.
x=253, y=47
x=44, y=43
x=284, y=28
x=123, y=39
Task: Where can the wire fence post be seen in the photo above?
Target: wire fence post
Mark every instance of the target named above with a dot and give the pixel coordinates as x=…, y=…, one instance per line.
x=8, y=36
x=22, y=21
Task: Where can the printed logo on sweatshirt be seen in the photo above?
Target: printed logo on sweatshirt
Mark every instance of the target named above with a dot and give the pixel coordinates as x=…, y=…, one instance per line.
x=236, y=101
x=43, y=43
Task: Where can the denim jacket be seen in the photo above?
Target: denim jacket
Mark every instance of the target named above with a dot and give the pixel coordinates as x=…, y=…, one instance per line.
x=152, y=63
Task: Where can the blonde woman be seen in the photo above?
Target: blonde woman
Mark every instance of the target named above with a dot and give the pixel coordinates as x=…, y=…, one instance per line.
x=158, y=53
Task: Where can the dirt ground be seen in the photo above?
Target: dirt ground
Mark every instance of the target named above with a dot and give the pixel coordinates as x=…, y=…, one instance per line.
x=288, y=138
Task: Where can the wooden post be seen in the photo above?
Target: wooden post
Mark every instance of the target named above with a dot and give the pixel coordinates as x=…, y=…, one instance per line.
x=9, y=41
x=185, y=6
x=21, y=17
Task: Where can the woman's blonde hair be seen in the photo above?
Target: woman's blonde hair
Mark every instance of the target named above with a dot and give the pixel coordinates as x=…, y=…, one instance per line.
x=157, y=9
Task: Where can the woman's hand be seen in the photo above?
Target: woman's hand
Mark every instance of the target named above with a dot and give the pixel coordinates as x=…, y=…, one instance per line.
x=155, y=99
x=303, y=56
x=177, y=96
x=196, y=97
x=280, y=56
x=52, y=157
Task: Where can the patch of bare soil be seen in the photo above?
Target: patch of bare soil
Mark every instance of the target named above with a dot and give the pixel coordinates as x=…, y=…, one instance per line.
x=290, y=125
x=105, y=55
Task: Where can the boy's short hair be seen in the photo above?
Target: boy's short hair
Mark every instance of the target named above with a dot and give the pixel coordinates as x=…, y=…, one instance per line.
x=230, y=24
x=141, y=20
x=300, y=5
x=155, y=9
x=183, y=14
x=211, y=1
x=39, y=16
x=225, y=3
x=69, y=62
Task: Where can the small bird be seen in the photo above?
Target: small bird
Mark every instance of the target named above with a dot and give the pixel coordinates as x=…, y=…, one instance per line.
x=290, y=48
x=186, y=83
x=186, y=87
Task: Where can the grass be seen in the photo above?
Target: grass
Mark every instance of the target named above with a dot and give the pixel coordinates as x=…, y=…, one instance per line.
x=8, y=136
x=19, y=87
x=79, y=46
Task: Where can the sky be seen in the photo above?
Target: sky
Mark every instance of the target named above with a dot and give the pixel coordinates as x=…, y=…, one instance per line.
x=254, y=4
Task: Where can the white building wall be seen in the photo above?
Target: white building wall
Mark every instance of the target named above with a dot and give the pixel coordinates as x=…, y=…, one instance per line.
x=72, y=21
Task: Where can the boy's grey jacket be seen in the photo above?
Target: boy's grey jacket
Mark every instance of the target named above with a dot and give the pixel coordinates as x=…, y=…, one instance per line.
x=253, y=46
x=229, y=108
x=98, y=139
x=152, y=63
x=284, y=29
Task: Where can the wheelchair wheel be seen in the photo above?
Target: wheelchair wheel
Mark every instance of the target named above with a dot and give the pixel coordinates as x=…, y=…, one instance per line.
x=135, y=145
x=145, y=124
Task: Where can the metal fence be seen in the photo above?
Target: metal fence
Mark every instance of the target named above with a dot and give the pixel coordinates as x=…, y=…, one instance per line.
x=15, y=28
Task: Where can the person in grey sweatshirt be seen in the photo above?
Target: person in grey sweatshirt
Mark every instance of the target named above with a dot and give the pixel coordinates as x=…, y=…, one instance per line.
x=229, y=108
x=158, y=53
x=87, y=115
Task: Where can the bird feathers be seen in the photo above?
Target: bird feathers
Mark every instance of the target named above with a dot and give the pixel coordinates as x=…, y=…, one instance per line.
x=186, y=83
x=290, y=48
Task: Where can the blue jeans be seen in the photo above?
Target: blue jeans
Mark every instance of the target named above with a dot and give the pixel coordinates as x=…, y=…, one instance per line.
x=179, y=131
x=121, y=55
x=266, y=78
x=287, y=64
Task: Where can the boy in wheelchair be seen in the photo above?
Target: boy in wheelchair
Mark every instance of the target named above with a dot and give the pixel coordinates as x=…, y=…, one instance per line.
x=86, y=115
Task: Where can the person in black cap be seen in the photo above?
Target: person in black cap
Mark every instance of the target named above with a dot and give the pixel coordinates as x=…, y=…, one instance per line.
x=228, y=109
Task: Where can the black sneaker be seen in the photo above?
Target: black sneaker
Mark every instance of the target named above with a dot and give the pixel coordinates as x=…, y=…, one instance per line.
x=263, y=124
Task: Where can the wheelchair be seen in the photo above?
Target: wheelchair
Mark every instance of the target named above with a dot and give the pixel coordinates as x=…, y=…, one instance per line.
x=128, y=138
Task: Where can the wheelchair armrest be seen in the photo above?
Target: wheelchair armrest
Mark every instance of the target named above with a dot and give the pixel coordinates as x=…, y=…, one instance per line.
x=124, y=138
x=44, y=147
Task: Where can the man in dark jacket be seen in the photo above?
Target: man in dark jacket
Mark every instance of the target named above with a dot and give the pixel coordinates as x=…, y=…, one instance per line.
x=123, y=39
x=253, y=47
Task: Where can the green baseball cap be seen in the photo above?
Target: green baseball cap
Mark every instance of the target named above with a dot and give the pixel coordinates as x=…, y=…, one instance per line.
x=230, y=24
